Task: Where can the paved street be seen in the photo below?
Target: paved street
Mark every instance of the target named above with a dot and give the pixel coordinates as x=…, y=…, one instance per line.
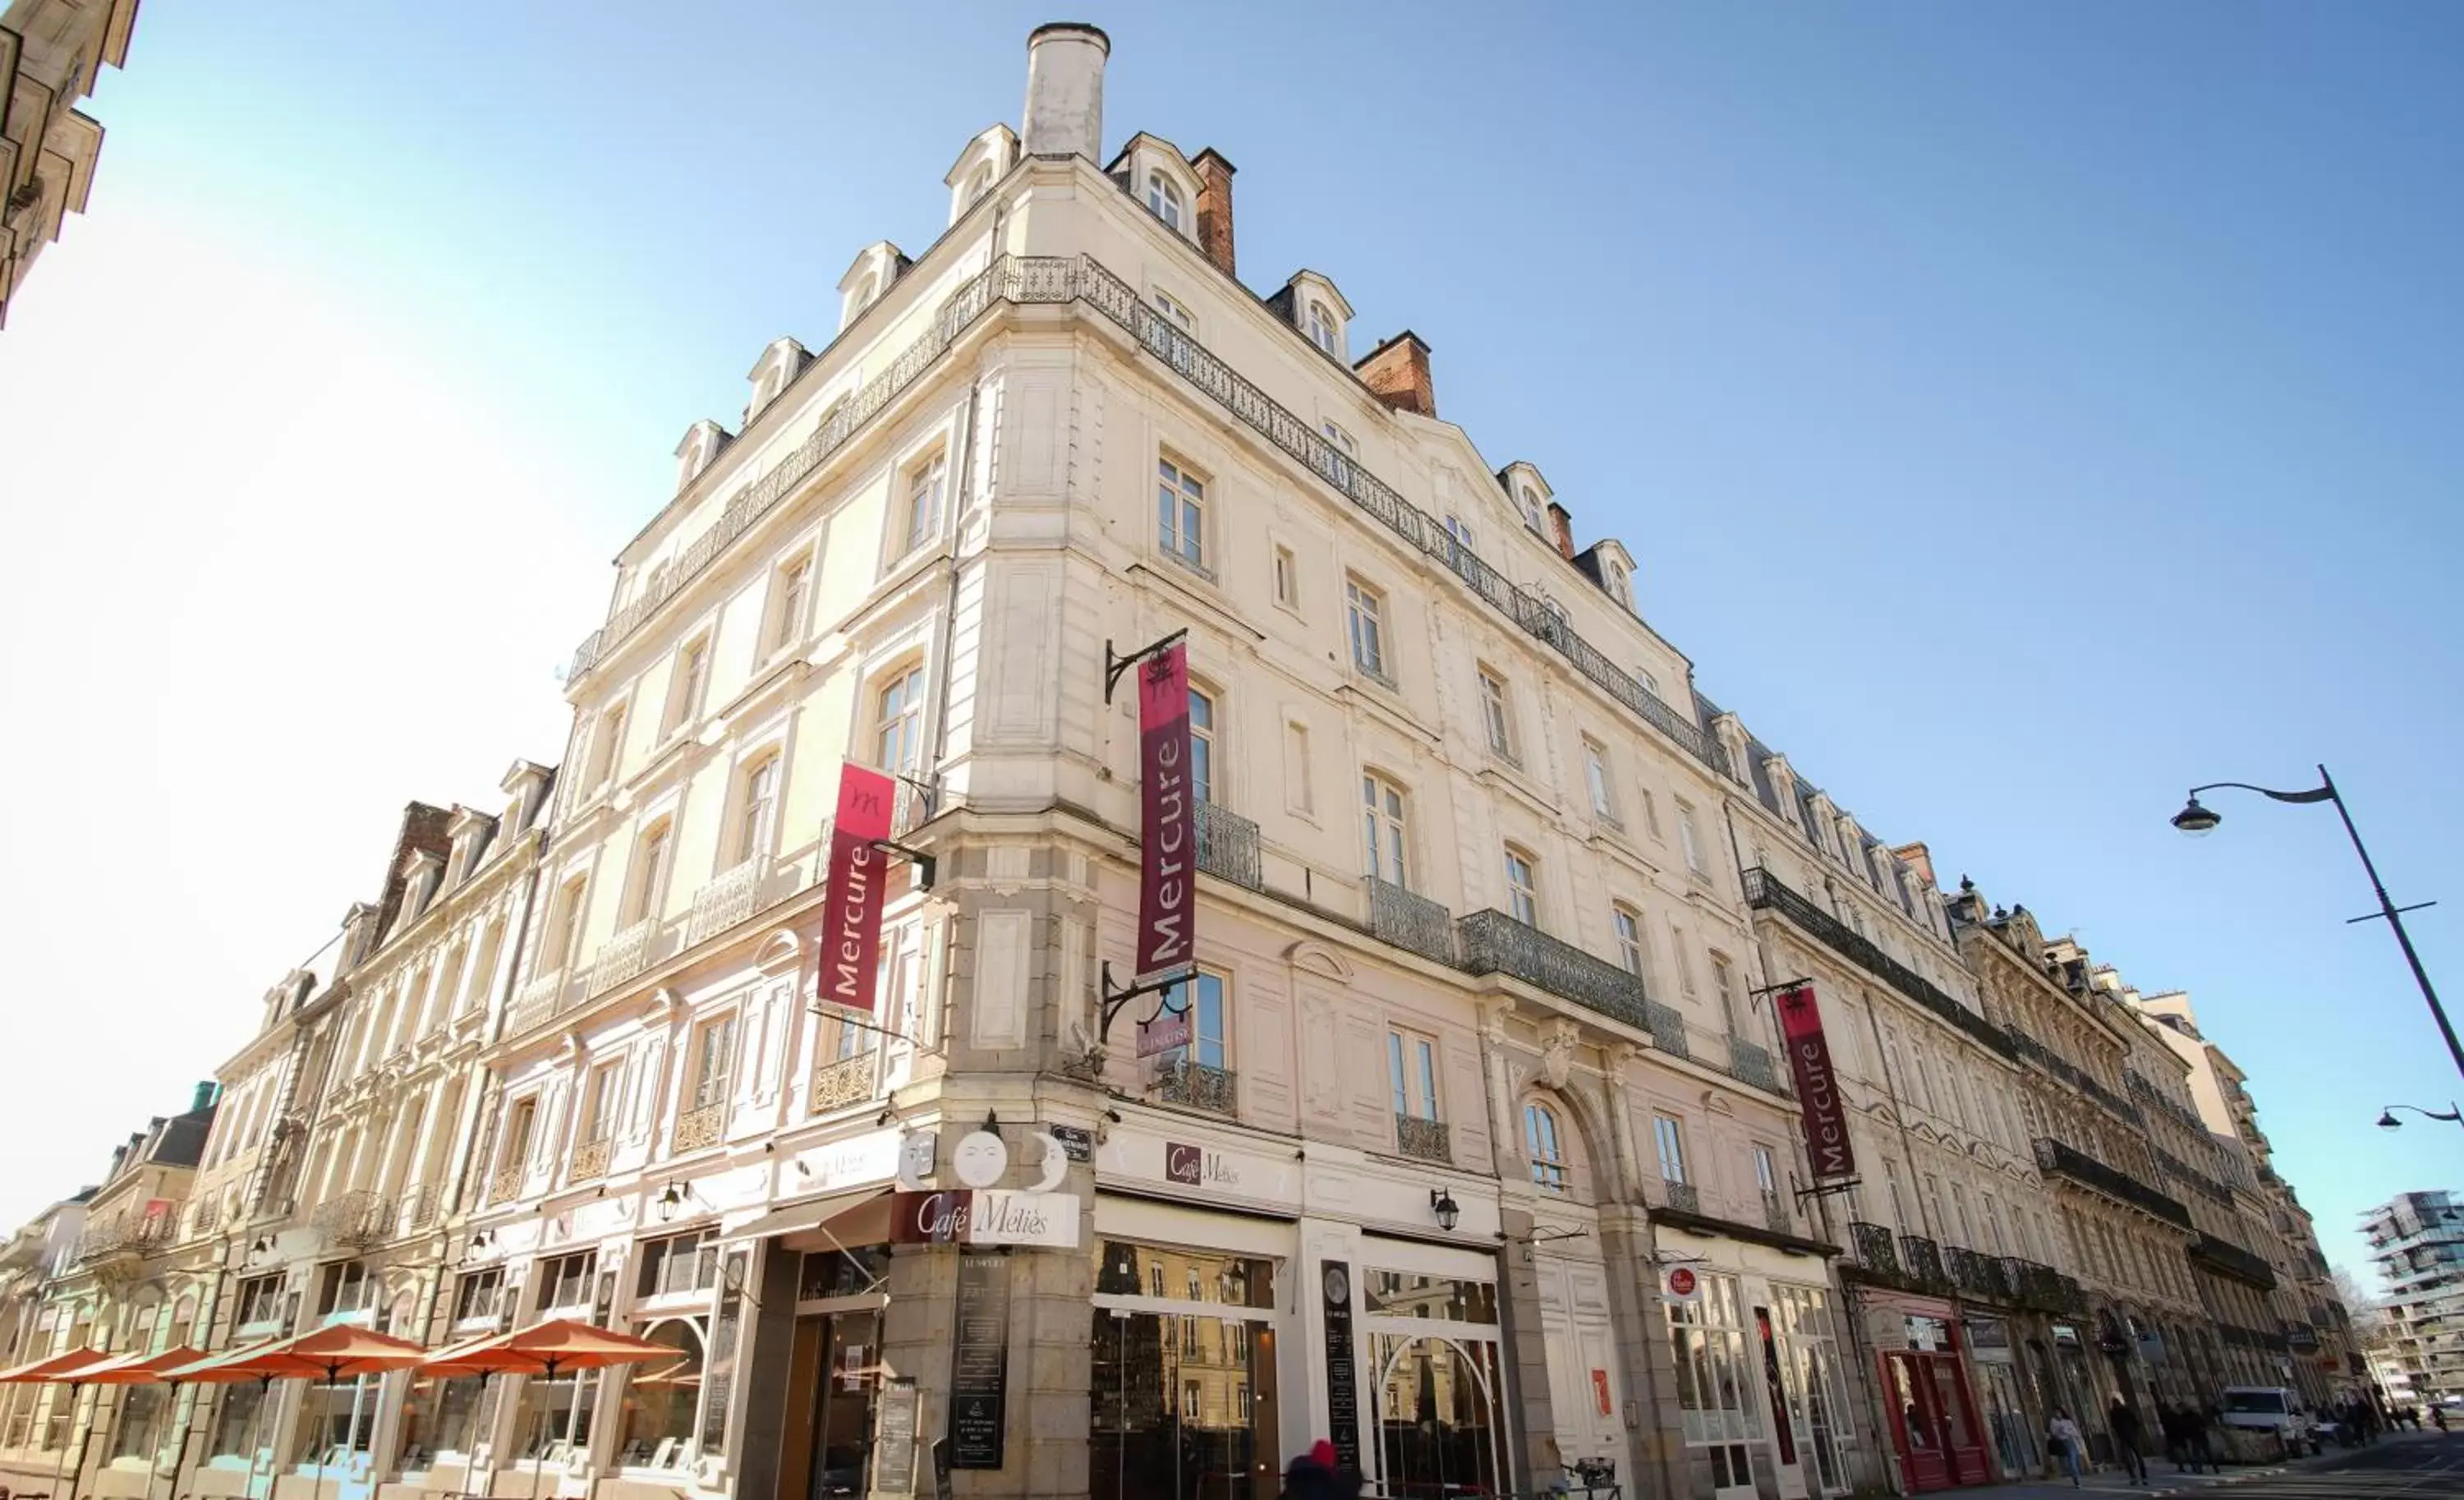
x=2426, y=1463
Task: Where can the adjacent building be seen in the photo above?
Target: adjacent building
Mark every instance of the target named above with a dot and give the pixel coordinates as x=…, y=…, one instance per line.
x=2417, y=1239
x=52, y=52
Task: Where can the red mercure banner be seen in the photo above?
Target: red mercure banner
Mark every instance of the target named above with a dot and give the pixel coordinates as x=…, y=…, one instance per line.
x=1168, y=858
x=852, y=899
x=1818, y=1086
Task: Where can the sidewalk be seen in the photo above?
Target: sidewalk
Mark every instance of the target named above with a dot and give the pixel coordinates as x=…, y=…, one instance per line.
x=2164, y=1479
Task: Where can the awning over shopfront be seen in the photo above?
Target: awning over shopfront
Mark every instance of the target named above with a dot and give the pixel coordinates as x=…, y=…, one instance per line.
x=831, y=1222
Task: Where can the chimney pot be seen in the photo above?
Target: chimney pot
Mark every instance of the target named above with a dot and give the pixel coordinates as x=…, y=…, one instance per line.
x=1064, y=90
x=204, y=1099
x=1397, y=373
x=1561, y=528
x=1215, y=208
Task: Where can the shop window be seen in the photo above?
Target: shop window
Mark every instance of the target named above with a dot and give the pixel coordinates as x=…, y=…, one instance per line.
x=679, y=1263
x=655, y=1429
x=1184, y=1400
x=1716, y=1378
x=478, y=1295
x=337, y=1421
x=564, y=1281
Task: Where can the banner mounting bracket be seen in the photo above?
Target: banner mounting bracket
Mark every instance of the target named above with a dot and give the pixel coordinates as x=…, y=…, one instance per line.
x=1114, y=666
x=1115, y=1000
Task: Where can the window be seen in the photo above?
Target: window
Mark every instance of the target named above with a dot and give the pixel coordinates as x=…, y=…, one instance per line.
x=568, y=946
x=607, y=746
x=1689, y=839
x=1765, y=1173
x=1340, y=439
x=713, y=1065
x=1298, y=797
x=1364, y=613
x=691, y=675
x=1459, y=541
x=1323, y=330
x=1173, y=311
x=1201, y=747
x=678, y=1264
x=655, y=1427
x=478, y=1294
x=1180, y=514
x=978, y=183
x=564, y=1281
x=1287, y=578
x=898, y=742
x=1723, y=989
x=1613, y=579
x=650, y=872
x=1203, y=1001
x=1535, y=511
x=792, y=590
x=260, y=1301
x=1496, y=715
x=1632, y=951
x=515, y=1153
x=598, y=1112
x=1412, y=1068
x=1684, y=960
x=1163, y=198
x=1650, y=815
x=1670, y=1136
x=924, y=484
x=1596, y=777
x=1540, y=1144
x=1381, y=831
x=755, y=825
x=1522, y=888
x=347, y=1289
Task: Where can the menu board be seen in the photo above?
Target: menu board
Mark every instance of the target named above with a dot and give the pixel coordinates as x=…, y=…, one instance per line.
x=893, y=1437
x=979, y=1362
x=1342, y=1393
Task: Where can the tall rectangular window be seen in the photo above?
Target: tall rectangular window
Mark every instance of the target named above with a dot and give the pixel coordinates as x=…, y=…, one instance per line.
x=519, y=1126
x=1201, y=747
x=1287, y=578
x=607, y=746
x=1689, y=839
x=1651, y=814
x=568, y=946
x=755, y=825
x=1671, y=1136
x=1595, y=780
x=1522, y=888
x=692, y=674
x=1412, y=1069
x=598, y=1107
x=1631, y=953
x=1203, y=1001
x=898, y=717
x=1298, y=794
x=1765, y=1173
x=650, y=872
x=1381, y=831
x=924, y=483
x=792, y=590
x=714, y=1062
x=1723, y=987
x=1364, y=613
x=1496, y=715
x=1180, y=513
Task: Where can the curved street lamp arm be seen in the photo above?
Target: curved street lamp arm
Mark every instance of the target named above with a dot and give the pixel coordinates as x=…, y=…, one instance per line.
x=2452, y=1114
x=2314, y=794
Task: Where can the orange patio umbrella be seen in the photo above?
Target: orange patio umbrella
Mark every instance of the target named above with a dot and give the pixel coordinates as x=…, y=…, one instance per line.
x=544, y=1349
x=342, y=1350
x=141, y=1369
x=55, y=1367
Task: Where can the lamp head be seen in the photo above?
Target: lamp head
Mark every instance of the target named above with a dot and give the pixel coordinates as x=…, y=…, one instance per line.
x=671, y=1199
x=2196, y=819
x=2389, y=1121
x=1442, y=1203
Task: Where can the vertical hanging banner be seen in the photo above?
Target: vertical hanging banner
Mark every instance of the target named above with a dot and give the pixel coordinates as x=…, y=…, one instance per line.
x=1818, y=1086
x=1168, y=855
x=852, y=895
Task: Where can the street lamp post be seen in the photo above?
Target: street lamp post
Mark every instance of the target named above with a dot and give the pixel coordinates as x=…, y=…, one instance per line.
x=2389, y=1121
x=2196, y=819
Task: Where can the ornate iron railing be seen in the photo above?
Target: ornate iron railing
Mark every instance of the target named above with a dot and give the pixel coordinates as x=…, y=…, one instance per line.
x=1977, y=1274
x=1227, y=846
x=1776, y=1217
x=1921, y=1260
x=2052, y=1156
x=2076, y=1077
x=624, y=954
x=845, y=1081
x=1874, y=1247
x=358, y=1218
x=590, y=1159
x=1180, y=1081
x=731, y=896
x=698, y=1128
x=2149, y=1095
x=1682, y=1198
x=1409, y=920
x=2180, y=1171
x=2232, y=1260
x=1667, y=1024
x=1030, y=279
x=1426, y=1139
x=1766, y=891
x=505, y=1184
x=1493, y=942
x=535, y=1003
x=1752, y=1064
x=205, y=1217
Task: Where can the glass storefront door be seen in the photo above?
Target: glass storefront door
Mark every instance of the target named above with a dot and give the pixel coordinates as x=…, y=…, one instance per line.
x=1183, y=1401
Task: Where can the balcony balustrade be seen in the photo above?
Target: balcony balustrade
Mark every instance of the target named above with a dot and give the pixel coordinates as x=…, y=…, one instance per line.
x=1682, y=1198
x=2226, y=1258
x=1667, y=1024
x=622, y=956
x=1195, y=1086
x=589, y=1160
x=1776, y=1217
x=535, y=1003
x=356, y=1219
x=1493, y=942
x=2053, y=1157
x=700, y=1127
x=505, y=1184
x=1410, y=921
x=1424, y=1140
x=1921, y=1260
x=1227, y=846
x=845, y=1081
x=1874, y=1248
x=1766, y=891
x=732, y=896
x=1977, y=1274
x=1752, y=1064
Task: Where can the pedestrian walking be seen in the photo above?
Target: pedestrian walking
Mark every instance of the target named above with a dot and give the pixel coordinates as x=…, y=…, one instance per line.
x=2124, y=1423
x=2062, y=1441
x=2169, y=1425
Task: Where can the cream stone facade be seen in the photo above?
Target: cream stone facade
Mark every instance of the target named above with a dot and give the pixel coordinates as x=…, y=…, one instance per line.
x=1480, y=1155
x=51, y=52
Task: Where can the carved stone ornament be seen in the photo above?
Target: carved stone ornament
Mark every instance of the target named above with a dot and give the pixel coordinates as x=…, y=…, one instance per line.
x=1558, y=1053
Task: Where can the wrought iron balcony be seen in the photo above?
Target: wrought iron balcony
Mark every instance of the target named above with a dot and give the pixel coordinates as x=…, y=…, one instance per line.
x=1922, y=1259
x=1766, y=891
x=505, y=1184
x=2176, y=1170
x=697, y=1128
x=1408, y=922
x=1180, y=1081
x=1874, y=1248
x=845, y=1081
x=2053, y=1157
x=1751, y=1063
x=1493, y=942
x=731, y=896
x=535, y=1003
x=1776, y=1217
x=1227, y=846
x=419, y=1207
x=2076, y=1077
x=1667, y=1024
x=624, y=955
x=590, y=1160
x=1976, y=1274
x=1426, y=1139
x=2228, y=1259
x=1682, y=1198
x=356, y=1219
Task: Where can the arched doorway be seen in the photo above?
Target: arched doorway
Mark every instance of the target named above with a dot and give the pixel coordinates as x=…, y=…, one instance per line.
x=1439, y=1412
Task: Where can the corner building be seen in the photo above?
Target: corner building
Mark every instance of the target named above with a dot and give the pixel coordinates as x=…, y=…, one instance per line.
x=1472, y=1069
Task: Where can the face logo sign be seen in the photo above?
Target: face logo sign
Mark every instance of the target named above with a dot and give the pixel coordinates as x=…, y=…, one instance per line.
x=1684, y=1284
x=980, y=1159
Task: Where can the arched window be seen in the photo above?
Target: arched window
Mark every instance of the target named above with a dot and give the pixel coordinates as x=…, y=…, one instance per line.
x=1383, y=844
x=1535, y=511
x=977, y=185
x=656, y=1430
x=898, y=717
x=1543, y=1144
x=1323, y=330
x=1163, y=197
x=859, y=297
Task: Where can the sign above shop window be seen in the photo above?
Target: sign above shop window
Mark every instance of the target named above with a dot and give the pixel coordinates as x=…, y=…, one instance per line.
x=1681, y=1283
x=986, y=1216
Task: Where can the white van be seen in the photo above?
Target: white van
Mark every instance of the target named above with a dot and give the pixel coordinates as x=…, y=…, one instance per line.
x=2270, y=1408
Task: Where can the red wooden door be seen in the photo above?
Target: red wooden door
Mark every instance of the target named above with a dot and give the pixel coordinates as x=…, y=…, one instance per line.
x=1963, y=1441
x=1915, y=1422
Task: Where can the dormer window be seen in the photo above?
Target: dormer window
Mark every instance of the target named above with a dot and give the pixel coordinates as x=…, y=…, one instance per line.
x=1165, y=203
x=1618, y=584
x=1324, y=328
x=977, y=187
x=1535, y=510
x=860, y=297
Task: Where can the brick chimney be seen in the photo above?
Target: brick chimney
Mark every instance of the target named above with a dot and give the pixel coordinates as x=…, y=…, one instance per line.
x=1919, y=858
x=1561, y=529
x=1398, y=371
x=1215, y=208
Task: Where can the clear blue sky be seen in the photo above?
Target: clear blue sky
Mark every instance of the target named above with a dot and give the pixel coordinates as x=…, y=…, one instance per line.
x=2018, y=413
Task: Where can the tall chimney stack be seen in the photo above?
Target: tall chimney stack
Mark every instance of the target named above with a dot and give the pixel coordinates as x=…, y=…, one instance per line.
x=1064, y=90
